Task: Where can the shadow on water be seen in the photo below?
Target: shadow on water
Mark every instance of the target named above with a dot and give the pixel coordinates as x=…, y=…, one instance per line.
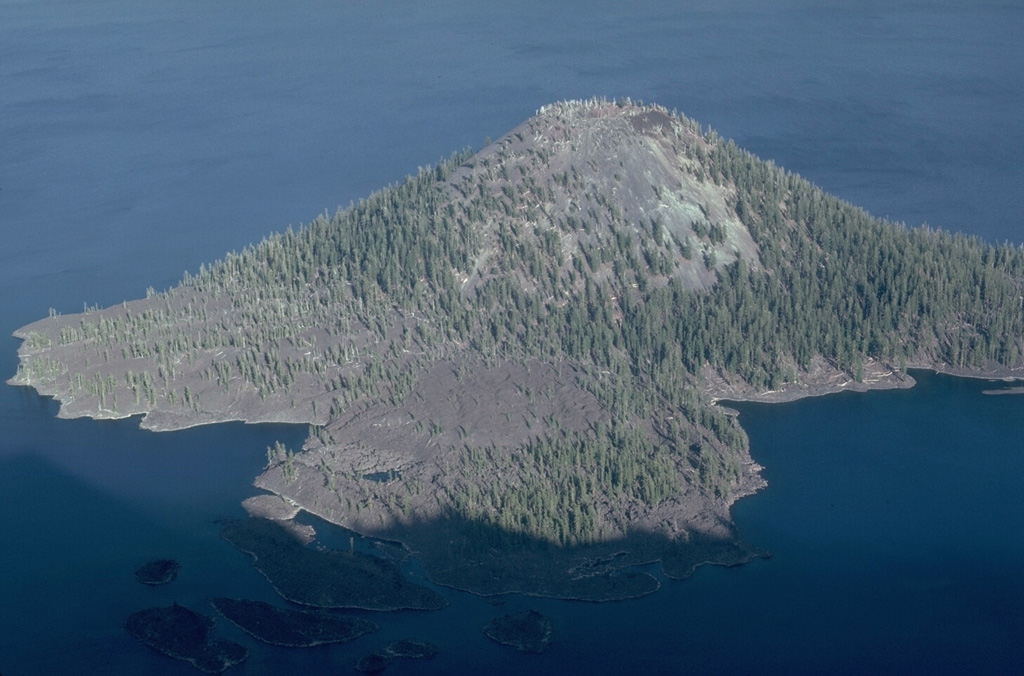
x=487, y=559
x=613, y=568
x=474, y=556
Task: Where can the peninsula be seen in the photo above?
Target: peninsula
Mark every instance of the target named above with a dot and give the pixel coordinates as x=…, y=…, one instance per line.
x=510, y=362
x=291, y=628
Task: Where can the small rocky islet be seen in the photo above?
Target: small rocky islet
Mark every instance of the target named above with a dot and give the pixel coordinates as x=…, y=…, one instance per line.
x=299, y=574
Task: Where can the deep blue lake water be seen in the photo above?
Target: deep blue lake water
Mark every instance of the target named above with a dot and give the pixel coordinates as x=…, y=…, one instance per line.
x=139, y=140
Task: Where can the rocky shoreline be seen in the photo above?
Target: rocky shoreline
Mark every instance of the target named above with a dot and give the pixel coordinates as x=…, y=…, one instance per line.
x=546, y=573
x=824, y=378
x=696, y=527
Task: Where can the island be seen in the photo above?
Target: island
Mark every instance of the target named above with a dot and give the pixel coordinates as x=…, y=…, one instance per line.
x=511, y=362
x=291, y=628
x=184, y=634
x=528, y=631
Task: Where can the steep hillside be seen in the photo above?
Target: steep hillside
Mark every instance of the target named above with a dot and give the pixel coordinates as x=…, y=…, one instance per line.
x=593, y=173
x=509, y=362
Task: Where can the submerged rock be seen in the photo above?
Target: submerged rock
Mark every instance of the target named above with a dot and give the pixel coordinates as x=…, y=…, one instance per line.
x=373, y=663
x=528, y=631
x=157, y=572
x=411, y=648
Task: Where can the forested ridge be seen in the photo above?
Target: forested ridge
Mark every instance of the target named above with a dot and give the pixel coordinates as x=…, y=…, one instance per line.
x=602, y=253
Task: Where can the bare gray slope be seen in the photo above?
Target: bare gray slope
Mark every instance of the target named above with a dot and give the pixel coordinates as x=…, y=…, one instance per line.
x=583, y=169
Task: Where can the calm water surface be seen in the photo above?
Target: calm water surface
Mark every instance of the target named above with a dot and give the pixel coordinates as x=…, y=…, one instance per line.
x=140, y=140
